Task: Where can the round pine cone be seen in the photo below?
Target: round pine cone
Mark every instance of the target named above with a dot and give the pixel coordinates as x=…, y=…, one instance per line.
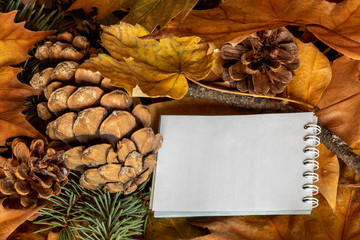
x=263, y=64
x=119, y=169
x=32, y=173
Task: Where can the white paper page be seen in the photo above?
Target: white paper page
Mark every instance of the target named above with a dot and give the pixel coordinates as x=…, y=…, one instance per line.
x=248, y=164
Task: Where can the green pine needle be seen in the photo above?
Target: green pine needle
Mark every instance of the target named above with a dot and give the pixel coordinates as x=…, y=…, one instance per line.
x=96, y=215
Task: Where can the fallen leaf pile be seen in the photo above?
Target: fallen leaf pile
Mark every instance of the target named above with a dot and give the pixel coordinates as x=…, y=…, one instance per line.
x=161, y=45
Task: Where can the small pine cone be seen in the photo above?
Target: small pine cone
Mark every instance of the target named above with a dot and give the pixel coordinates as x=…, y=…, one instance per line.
x=262, y=64
x=31, y=174
x=119, y=169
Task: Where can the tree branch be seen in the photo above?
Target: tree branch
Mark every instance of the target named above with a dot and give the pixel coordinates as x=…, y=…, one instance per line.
x=243, y=101
x=328, y=138
x=340, y=148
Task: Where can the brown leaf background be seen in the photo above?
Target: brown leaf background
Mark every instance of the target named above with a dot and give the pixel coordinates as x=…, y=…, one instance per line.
x=322, y=224
x=336, y=24
x=10, y=219
x=340, y=102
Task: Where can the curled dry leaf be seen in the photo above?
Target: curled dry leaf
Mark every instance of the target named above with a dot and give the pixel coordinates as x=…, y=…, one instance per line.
x=10, y=219
x=322, y=224
x=235, y=20
x=157, y=68
x=312, y=77
x=340, y=102
x=147, y=13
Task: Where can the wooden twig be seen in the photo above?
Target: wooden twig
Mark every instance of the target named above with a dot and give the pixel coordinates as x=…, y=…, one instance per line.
x=340, y=148
x=242, y=101
x=328, y=138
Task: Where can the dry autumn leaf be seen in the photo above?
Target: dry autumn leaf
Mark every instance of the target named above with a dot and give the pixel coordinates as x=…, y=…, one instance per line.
x=322, y=224
x=171, y=229
x=336, y=24
x=340, y=102
x=312, y=77
x=105, y=7
x=148, y=13
x=12, y=94
x=329, y=172
x=15, y=41
x=157, y=68
x=10, y=219
x=26, y=232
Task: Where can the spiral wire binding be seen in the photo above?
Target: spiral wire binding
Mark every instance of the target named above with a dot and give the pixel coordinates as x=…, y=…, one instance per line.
x=311, y=162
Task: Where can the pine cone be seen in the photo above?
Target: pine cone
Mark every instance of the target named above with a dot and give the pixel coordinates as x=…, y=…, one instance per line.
x=116, y=169
x=88, y=111
x=31, y=174
x=263, y=64
x=64, y=46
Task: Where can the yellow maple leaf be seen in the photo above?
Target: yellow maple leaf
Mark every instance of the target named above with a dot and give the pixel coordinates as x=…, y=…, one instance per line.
x=157, y=68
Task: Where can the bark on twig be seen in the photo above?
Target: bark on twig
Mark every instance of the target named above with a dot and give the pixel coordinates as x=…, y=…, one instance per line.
x=328, y=138
x=242, y=101
x=340, y=148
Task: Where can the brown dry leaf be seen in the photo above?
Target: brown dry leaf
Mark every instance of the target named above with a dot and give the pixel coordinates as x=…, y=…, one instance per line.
x=336, y=24
x=12, y=94
x=10, y=219
x=105, y=7
x=26, y=232
x=322, y=224
x=154, y=68
x=312, y=77
x=148, y=13
x=340, y=102
x=171, y=229
x=53, y=235
x=191, y=106
x=329, y=172
x=15, y=40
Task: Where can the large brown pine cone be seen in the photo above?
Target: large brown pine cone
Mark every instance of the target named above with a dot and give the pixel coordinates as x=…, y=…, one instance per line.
x=263, y=64
x=32, y=173
x=87, y=110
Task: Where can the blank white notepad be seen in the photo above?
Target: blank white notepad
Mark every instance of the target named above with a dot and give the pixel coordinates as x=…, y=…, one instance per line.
x=236, y=165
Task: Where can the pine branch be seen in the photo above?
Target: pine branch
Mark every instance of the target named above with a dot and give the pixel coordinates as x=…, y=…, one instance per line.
x=329, y=139
x=95, y=215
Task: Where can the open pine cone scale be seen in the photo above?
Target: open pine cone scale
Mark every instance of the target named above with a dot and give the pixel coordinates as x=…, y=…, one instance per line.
x=31, y=173
x=263, y=64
